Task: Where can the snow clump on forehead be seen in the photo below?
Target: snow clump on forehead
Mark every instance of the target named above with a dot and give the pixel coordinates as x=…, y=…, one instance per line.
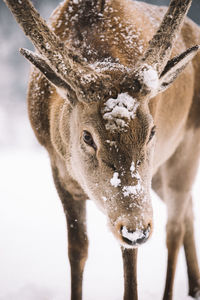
x=118, y=112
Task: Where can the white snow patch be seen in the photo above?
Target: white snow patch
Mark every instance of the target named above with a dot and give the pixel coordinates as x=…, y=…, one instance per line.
x=115, y=181
x=136, y=175
x=117, y=112
x=104, y=199
x=132, y=189
x=134, y=172
x=132, y=168
x=150, y=77
x=136, y=188
x=132, y=236
x=111, y=143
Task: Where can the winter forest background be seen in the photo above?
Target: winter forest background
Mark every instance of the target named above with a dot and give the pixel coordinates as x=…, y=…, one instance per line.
x=33, y=244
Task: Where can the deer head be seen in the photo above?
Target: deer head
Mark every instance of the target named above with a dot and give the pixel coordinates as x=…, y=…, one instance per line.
x=104, y=127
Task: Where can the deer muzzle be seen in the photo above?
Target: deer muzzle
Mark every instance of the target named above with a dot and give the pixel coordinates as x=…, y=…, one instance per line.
x=133, y=229
x=136, y=237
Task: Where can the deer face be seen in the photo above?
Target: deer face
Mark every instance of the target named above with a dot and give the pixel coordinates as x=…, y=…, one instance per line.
x=111, y=156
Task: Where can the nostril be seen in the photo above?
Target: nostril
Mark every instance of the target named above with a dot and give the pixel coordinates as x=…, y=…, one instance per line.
x=136, y=237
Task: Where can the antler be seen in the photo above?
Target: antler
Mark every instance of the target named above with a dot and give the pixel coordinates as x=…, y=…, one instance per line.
x=71, y=71
x=156, y=72
x=160, y=47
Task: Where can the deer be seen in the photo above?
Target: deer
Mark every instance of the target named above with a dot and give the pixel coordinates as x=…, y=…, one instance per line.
x=114, y=97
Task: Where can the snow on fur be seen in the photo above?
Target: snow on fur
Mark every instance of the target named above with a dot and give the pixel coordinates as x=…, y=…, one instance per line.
x=132, y=190
x=150, y=78
x=132, y=236
x=115, y=181
x=118, y=112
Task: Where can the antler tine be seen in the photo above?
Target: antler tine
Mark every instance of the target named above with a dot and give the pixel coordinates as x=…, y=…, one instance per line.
x=67, y=66
x=30, y=20
x=44, y=40
x=160, y=47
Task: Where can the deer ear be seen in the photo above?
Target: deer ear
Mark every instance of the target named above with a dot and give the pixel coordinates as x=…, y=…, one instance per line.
x=175, y=66
x=40, y=63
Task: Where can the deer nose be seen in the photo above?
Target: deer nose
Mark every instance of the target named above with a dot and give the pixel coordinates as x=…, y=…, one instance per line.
x=136, y=237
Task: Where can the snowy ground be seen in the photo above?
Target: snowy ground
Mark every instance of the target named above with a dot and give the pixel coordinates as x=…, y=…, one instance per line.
x=33, y=244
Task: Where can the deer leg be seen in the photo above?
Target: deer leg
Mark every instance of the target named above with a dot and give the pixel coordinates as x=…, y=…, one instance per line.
x=130, y=273
x=178, y=176
x=175, y=234
x=191, y=255
x=77, y=247
x=75, y=211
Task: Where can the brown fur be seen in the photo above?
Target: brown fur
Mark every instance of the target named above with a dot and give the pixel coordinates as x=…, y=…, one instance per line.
x=97, y=31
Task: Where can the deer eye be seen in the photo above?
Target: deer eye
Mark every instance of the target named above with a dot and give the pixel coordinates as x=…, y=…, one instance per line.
x=88, y=139
x=153, y=131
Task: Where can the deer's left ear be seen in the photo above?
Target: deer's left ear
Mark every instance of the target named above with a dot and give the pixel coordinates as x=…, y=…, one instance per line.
x=175, y=66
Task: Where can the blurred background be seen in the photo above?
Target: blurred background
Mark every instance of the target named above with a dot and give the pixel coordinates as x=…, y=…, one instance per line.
x=14, y=73
x=33, y=244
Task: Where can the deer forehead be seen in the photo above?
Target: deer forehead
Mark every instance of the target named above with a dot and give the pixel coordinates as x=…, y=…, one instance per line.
x=118, y=112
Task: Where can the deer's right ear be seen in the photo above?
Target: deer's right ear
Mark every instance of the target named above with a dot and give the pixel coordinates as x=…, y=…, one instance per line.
x=175, y=66
x=40, y=63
